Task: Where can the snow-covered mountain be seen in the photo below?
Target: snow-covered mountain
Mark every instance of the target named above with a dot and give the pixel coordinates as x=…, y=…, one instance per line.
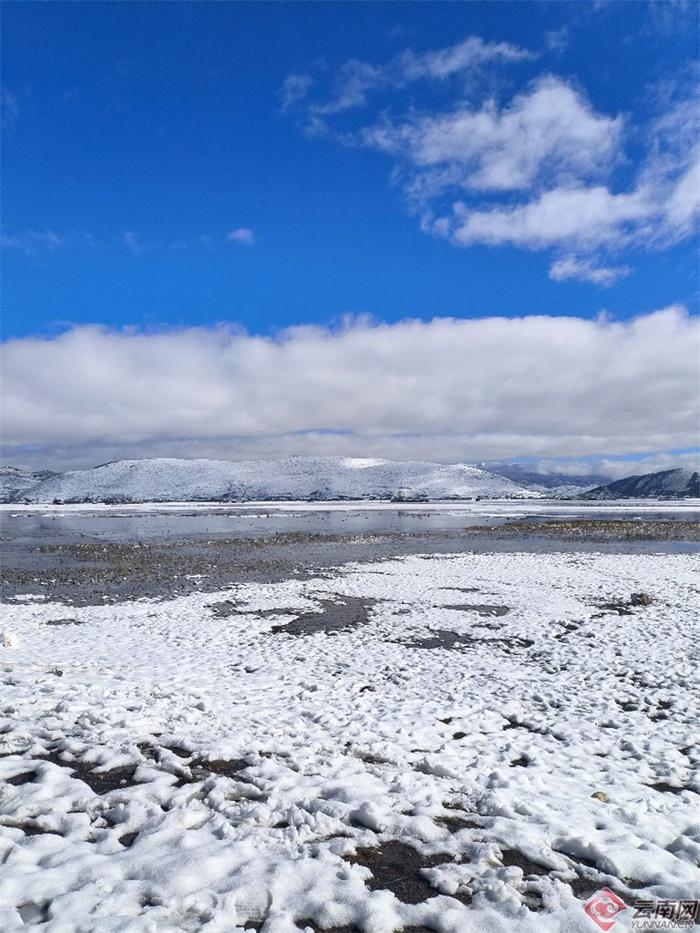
x=314, y=478
x=674, y=484
x=14, y=482
x=555, y=485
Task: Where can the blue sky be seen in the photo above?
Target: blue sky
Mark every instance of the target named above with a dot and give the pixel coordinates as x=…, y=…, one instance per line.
x=219, y=221
x=139, y=135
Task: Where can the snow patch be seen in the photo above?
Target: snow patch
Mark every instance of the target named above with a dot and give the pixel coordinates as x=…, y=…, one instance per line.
x=167, y=768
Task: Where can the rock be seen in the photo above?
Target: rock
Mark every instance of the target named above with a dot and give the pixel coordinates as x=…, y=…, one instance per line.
x=640, y=599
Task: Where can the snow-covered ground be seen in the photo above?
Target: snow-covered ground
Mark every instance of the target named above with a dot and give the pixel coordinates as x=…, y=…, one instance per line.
x=291, y=739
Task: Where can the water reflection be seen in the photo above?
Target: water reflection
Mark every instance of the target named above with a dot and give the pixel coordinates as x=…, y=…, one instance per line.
x=173, y=521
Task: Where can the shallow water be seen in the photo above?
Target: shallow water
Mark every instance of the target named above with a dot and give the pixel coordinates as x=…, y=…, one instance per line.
x=91, y=554
x=173, y=521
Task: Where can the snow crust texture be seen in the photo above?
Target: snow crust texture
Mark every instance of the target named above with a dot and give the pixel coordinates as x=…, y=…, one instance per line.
x=510, y=733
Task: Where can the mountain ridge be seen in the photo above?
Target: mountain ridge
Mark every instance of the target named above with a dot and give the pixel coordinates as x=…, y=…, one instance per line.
x=675, y=484
x=549, y=484
x=168, y=479
x=301, y=478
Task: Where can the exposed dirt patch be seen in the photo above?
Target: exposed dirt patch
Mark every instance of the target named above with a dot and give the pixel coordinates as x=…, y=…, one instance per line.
x=512, y=858
x=334, y=617
x=568, y=628
x=201, y=769
x=32, y=828
x=397, y=867
x=65, y=622
x=664, y=788
x=583, y=888
x=454, y=824
x=625, y=607
x=458, y=641
x=481, y=609
x=17, y=780
x=101, y=782
x=619, y=607
x=532, y=899
x=312, y=925
x=228, y=608
x=580, y=860
x=176, y=750
x=518, y=724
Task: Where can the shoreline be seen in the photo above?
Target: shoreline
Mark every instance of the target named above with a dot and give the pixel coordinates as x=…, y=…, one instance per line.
x=79, y=569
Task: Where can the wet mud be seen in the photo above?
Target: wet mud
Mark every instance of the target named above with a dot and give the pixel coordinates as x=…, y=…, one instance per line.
x=86, y=569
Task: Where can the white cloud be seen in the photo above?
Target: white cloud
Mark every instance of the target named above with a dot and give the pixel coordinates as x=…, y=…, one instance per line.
x=463, y=56
x=556, y=40
x=34, y=243
x=134, y=243
x=620, y=467
x=661, y=210
x=683, y=205
x=544, y=170
x=356, y=79
x=444, y=390
x=585, y=270
x=580, y=216
x=241, y=235
x=549, y=144
x=9, y=109
x=295, y=88
x=550, y=129
x=353, y=82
